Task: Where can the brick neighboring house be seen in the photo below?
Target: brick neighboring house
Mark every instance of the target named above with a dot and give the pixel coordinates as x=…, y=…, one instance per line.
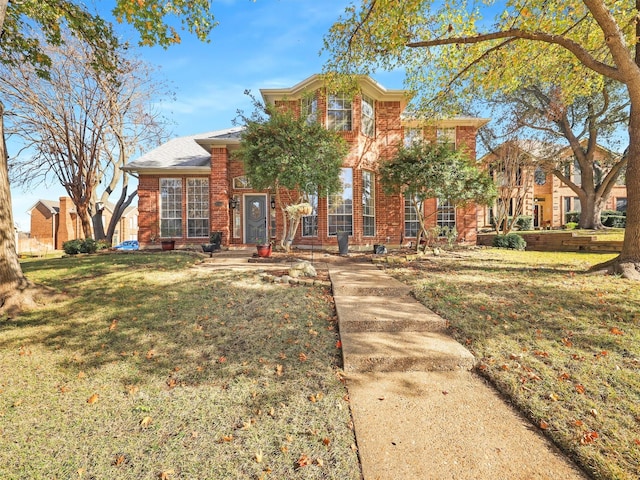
x=192, y=185
x=547, y=199
x=55, y=222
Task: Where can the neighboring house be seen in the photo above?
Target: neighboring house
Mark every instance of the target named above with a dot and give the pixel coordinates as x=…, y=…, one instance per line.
x=53, y=223
x=193, y=185
x=546, y=199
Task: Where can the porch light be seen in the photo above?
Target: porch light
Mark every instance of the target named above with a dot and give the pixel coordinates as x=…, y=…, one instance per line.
x=233, y=203
x=273, y=204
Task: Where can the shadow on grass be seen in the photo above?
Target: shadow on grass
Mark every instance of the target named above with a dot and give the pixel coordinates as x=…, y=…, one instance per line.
x=165, y=321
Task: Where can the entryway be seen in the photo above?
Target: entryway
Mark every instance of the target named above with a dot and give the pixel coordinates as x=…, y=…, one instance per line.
x=255, y=219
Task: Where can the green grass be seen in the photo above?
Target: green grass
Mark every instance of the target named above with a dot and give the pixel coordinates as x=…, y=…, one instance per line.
x=562, y=344
x=197, y=374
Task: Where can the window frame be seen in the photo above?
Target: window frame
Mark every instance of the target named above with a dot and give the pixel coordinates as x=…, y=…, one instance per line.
x=443, y=135
x=445, y=215
x=411, y=221
x=175, y=230
x=309, y=226
x=368, y=119
x=368, y=203
x=339, y=105
x=340, y=206
x=203, y=230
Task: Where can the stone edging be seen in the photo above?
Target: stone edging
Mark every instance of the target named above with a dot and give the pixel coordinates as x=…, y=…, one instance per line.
x=286, y=279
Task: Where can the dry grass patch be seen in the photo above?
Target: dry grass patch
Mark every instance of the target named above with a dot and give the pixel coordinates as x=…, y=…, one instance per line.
x=154, y=369
x=562, y=344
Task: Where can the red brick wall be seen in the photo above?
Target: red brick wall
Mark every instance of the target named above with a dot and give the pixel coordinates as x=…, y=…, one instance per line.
x=43, y=225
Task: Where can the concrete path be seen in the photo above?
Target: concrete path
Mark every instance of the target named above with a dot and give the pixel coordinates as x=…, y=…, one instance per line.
x=419, y=411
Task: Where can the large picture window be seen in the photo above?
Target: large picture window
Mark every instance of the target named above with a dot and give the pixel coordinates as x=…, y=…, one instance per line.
x=412, y=136
x=309, y=108
x=411, y=223
x=368, y=116
x=368, y=204
x=446, y=135
x=197, y=207
x=339, y=113
x=310, y=222
x=170, y=207
x=340, y=206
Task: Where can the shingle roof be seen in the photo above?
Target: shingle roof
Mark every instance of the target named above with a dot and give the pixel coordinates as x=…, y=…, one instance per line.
x=182, y=152
x=52, y=205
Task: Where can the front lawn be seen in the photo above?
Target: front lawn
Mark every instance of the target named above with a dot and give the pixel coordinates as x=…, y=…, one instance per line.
x=153, y=368
x=562, y=344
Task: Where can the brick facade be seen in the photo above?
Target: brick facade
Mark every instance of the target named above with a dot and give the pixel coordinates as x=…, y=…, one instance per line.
x=365, y=153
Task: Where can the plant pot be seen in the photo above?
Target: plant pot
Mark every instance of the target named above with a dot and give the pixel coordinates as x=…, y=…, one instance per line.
x=343, y=243
x=168, y=244
x=264, y=251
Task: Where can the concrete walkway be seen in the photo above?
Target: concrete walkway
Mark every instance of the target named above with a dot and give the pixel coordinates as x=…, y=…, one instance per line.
x=419, y=411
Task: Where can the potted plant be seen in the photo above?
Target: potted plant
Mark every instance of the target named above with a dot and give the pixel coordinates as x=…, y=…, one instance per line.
x=168, y=244
x=215, y=239
x=263, y=248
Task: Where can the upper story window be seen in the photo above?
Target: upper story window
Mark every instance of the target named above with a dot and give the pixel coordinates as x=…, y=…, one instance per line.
x=539, y=176
x=309, y=108
x=339, y=113
x=241, y=183
x=446, y=135
x=412, y=136
x=368, y=116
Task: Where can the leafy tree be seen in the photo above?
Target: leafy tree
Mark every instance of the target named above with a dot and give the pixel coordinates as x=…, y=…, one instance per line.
x=582, y=124
x=21, y=23
x=451, y=53
x=293, y=157
x=425, y=170
x=80, y=125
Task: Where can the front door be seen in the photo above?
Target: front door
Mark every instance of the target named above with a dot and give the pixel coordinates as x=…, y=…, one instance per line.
x=255, y=223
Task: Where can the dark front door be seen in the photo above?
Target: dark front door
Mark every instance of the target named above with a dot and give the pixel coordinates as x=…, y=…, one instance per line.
x=255, y=223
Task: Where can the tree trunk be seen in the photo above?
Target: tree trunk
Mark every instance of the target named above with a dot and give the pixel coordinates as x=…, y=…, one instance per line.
x=85, y=220
x=631, y=245
x=590, y=211
x=11, y=276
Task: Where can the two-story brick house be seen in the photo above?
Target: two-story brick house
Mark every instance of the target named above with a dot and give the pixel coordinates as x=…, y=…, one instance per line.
x=193, y=185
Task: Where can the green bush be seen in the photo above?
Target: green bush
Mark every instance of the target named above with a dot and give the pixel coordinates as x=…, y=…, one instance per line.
x=616, y=221
x=524, y=222
x=572, y=217
x=103, y=245
x=512, y=241
x=571, y=225
x=73, y=247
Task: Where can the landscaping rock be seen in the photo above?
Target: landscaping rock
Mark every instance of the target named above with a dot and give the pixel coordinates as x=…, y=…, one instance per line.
x=302, y=269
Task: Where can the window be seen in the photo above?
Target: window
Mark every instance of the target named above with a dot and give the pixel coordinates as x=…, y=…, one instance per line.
x=309, y=106
x=170, y=207
x=577, y=174
x=241, y=183
x=446, y=215
x=368, y=116
x=340, y=206
x=621, y=204
x=339, y=113
x=411, y=223
x=412, y=136
x=237, y=219
x=198, y=207
x=539, y=176
x=368, y=204
x=446, y=135
x=310, y=222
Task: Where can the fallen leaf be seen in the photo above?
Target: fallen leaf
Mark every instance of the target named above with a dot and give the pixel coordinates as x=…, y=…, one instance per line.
x=81, y=375
x=279, y=370
x=93, y=399
x=326, y=441
x=589, y=437
x=227, y=438
x=302, y=356
x=119, y=460
x=172, y=382
x=319, y=462
x=636, y=441
x=150, y=354
x=578, y=423
x=564, y=376
x=567, y=342
x=259, y=456
x=580, y=389
x=166, y=475
x=339, y=344
x=222, y=359
x=303, y=461
x=616, y=331
x=145, y=422
x=543, y=425
x=113, y=325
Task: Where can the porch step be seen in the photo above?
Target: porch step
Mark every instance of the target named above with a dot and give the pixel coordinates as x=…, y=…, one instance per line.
x=403, y=352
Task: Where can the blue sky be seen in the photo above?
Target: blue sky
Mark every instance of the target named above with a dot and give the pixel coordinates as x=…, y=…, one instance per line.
x=262, y=44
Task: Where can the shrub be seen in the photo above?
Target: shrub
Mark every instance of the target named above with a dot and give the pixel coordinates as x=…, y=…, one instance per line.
x=571, y=225
x=73, y=247
x=616, y=221
x=524, y=222
x=512, y=241
x=572, y=217
x=103, y=245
